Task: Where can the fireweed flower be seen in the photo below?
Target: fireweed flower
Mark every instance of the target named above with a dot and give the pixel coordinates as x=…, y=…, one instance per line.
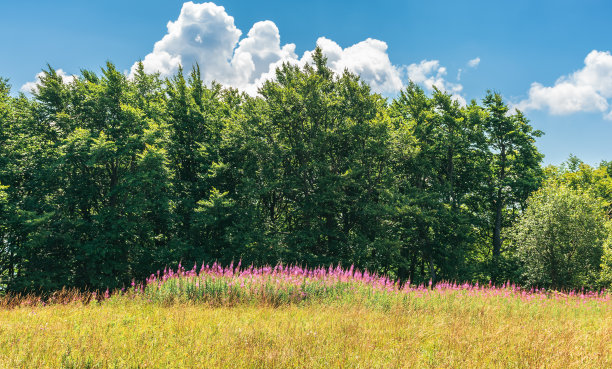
x=293, y=283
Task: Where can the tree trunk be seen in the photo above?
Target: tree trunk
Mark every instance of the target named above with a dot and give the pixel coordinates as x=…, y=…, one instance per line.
x=499, y=206
x=413, y=261
x=497, y=227
x=432, y=272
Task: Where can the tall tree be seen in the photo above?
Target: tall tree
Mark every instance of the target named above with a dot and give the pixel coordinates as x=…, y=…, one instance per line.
x=195, y=115
x=515, y=169
x=437, y=185
x=5, y=120
x=316, y=148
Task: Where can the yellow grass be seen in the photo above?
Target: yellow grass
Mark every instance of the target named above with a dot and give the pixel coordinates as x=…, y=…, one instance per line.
x=450, y=331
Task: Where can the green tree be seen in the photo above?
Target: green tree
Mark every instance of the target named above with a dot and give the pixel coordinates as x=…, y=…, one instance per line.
x=195, y=121
x=514, y=173
x=605, y=278
x=5, y=121
x=437, y=186
x=32, y=132
x=311, y=157
x=560, y=238
x=4, y=252
x=583, y=177
x=598, y=182
x=115, y=168
x=94, y=209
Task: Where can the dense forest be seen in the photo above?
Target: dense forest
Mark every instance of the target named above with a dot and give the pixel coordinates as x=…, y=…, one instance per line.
x=109, y=178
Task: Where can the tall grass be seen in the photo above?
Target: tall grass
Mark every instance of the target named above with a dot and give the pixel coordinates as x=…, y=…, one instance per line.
x=288, y=316
x=285, y=284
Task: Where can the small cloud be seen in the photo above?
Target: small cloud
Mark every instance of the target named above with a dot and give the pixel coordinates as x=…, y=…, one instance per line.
x=474, y=62
x=32, y=86
x=587, y=90
x=459, y=74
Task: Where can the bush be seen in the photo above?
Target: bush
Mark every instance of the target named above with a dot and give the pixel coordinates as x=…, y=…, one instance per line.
x=559, y=239
x=605, y=279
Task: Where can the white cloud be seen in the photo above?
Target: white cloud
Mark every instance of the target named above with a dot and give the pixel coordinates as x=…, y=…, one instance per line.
x=474, y=62
x=471, y=63
x=203, y=33
x=32, y=86
x=262, y=46
x=430, y=74
x=206, y=34
x=564, y=98
x=586, y=90
x=367, y=58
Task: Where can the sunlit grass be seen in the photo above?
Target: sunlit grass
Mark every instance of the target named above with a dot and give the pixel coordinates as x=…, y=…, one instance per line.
x=316, y=319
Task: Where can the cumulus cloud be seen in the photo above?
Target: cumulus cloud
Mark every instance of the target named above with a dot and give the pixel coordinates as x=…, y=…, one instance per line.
x=586, y=90
x=430, y=74
x=203, y=33
x=474, y=62
x=206, y=34
x=367, y=58
x=32, y=86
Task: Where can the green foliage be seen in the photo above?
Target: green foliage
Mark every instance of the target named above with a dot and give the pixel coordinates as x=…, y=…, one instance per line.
x=435, y=185
x=111, y=178
x=473, y=170
x=325, y=165
x=583, y=177
x=605, y=277
x=598, y=183
x=513, y=172
x=4, y=121
x=560, y=238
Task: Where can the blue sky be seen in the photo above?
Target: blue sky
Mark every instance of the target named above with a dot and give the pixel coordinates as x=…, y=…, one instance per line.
x=562, y=46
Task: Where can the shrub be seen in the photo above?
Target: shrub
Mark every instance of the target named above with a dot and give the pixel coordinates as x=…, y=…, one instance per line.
x=560, y=238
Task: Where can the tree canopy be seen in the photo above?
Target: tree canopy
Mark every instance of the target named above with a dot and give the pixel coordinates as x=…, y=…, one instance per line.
x=107, y=178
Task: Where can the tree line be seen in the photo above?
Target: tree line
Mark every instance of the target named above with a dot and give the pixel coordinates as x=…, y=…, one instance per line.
x=107, y=179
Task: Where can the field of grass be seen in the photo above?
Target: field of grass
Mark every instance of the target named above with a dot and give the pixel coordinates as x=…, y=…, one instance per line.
x=290, y=317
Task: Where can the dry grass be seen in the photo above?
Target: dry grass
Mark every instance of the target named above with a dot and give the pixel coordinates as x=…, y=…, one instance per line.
x=445, y=330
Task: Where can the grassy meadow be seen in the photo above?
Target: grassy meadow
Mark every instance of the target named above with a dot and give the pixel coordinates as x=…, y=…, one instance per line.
x=292, y=317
